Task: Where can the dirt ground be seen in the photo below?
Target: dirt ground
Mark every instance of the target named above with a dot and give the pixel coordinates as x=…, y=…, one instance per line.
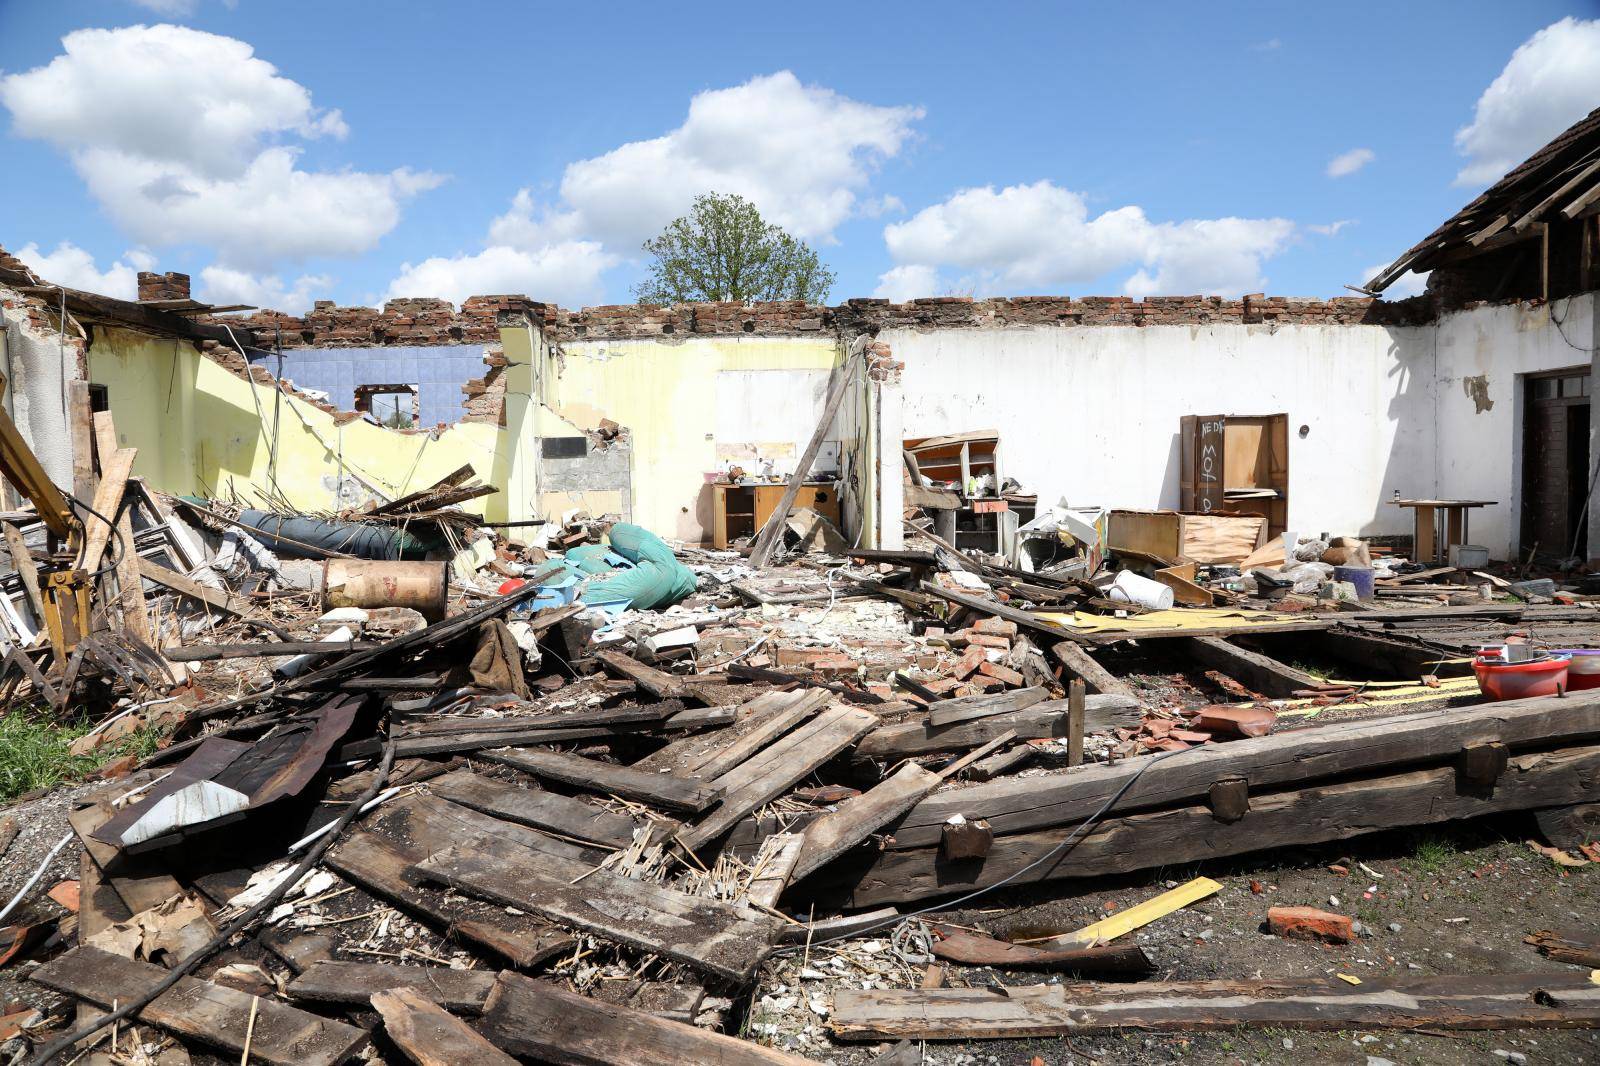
x=1453, y=900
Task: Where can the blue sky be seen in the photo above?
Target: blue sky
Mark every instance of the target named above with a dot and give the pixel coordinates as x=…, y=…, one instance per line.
x=287, y=151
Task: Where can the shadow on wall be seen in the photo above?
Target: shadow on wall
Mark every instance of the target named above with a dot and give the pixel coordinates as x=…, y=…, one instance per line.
x=1172, y=479
x=1409, y=468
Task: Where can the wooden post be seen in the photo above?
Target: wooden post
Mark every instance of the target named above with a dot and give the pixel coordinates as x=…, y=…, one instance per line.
x=772, y=532
x=1075, y=715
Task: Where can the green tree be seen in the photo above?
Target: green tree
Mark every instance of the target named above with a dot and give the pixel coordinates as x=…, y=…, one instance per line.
x=724, y=250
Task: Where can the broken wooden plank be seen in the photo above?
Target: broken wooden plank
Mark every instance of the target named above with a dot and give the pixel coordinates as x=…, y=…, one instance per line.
x=1260, y=672
x=774, y=869
x=141, y=882
x=966, y=708
x=542, y=1020
x=27, y=570
x=114, y=472
x=1048, y=719
x=845, y=925
x=208, y=1013
x=563, y=815
x=797, y=708
x=719, y=938
x=1080, y=664
x=776, y=769
x=771, y=534
x=656, y=682
x=381, y=868
x=836, y=832
x=985, y=605
x=969, y=949
x=1192, y=834
x=955, y=766
x=357, y=982
x=661, y=790
x=1501, y=1001
x=1300, y=757
x=177, y=582
x=429, y=1035
x=1578, y=950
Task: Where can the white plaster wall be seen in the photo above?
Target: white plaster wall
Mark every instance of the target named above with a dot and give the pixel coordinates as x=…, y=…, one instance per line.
x=1092, y=412
x=37, y=370
x=1480, y=451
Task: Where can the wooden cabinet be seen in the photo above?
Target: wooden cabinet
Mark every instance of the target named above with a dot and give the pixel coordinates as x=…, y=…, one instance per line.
x=741, y=510
x=1236, y=464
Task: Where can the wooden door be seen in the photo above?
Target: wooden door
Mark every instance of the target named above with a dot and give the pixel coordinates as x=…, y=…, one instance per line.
x=1201, y=461
x=1555, y=463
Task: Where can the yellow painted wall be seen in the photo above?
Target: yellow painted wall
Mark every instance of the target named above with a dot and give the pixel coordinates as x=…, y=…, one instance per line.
x=203, y=430
x=665, y=394
x=199, y=430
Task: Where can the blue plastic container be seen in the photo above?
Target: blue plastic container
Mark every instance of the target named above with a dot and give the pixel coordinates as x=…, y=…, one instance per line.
x=1359, y=576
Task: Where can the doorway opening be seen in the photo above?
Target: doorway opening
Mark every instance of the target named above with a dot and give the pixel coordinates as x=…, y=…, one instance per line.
x=1555, y=465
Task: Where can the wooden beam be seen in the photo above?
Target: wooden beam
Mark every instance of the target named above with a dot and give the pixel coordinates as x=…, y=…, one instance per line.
x=661, y=790
x=1301, y=757
x=357, y=982
x=984, y=605
x=1543, y=1000
x=1260, y=672
x=191, y=588
x=564, y=815
x=541, y=1020
x=1080, y=664
x=656, y=682
x=1048, y=719
x=772, y=533
x=211, y=1014
x=1295, y=818
x=967, y=708
x=114, y=472
x=772, y=772
x=722, y=939
x=836, y=832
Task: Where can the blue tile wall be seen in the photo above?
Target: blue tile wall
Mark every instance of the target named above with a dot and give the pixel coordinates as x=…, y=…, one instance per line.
x=438, y=372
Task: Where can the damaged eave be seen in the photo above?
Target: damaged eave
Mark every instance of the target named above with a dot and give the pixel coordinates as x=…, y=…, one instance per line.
x=90, y=308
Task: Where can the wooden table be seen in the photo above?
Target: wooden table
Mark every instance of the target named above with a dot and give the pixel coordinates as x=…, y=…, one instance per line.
x=1439, y=524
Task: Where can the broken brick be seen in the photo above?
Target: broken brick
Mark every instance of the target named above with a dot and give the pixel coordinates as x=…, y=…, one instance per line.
x=1309, y=923
x=995, y=627
x=1001, y=673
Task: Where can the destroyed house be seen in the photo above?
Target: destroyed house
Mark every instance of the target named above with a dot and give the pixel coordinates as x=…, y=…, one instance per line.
x=528, y=684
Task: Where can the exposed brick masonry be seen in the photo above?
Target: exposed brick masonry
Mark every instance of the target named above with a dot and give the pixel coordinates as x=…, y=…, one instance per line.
x=168, y=286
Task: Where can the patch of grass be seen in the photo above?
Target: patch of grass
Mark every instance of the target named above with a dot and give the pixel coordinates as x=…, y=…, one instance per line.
x=34, y=751
x=1435, y=853
x=1321, y=673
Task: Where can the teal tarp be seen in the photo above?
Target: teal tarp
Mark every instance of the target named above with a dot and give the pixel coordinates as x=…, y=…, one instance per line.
x=655, y=580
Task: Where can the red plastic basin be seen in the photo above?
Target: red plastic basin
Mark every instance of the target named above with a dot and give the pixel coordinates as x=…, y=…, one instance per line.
x=1514, y=681
x=1584, y=670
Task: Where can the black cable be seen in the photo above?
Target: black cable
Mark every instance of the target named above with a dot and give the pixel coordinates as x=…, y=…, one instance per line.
x=1071, y=840
x=122, y=547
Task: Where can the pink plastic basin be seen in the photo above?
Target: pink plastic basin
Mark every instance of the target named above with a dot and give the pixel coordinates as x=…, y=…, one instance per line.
x=1584, y=670
x=1515, y=681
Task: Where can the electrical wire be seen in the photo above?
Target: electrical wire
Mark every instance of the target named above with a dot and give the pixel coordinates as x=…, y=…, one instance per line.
x=122, y=546
x=1060, y=849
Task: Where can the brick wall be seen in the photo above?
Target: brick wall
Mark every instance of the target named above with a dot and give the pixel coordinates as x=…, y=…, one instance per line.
x=169, y=286
x=419, y=321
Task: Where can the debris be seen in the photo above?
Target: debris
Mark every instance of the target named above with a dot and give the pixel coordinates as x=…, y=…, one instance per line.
x=1309, y=923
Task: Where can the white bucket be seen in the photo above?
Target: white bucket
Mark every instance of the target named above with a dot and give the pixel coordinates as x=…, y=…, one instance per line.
x=1129, y=587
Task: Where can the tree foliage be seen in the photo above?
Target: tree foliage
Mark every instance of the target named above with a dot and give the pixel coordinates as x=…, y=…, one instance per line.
x=724, y=250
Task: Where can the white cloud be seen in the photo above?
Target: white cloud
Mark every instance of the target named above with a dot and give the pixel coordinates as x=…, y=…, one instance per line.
x=1349, y=162
x=1040, y=237
x=73, y=267
x=1331, y=229
x=177, y=134
x=566, y=273
x=223, y=285
x=1271, y=44
x=903, y=283
x=1408, y=284
x=798, y=152
x=1551, y=81
x=803, y=154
